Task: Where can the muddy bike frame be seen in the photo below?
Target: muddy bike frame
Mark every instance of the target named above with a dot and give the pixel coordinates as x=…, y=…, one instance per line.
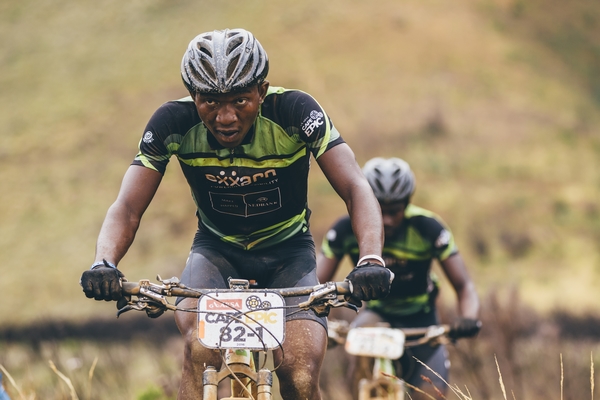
x=239, y=322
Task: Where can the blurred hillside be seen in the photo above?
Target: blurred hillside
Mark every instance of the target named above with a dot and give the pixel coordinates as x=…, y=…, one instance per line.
x=494, y=103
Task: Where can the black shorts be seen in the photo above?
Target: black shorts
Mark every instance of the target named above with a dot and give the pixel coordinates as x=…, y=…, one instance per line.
x=288, y=264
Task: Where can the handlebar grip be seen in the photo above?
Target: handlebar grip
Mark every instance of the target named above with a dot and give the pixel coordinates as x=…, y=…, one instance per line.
x=130, y=288
x=343, y=288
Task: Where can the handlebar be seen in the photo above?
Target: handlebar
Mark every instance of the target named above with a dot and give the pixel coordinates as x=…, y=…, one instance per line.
x=434, y=334
x=430, y=334
x=321, y=298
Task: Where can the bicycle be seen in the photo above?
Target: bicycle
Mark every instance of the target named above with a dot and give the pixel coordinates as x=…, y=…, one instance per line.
x=381, y=345
x=239, y=322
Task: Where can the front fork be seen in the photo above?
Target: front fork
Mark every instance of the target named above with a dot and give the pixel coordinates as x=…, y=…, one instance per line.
x=241, y=364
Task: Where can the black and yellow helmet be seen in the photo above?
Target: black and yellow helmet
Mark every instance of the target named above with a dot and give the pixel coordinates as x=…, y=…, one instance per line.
x=223, y=61
x=391, y=179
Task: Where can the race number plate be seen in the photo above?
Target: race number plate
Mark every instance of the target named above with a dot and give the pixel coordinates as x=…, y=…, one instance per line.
x=375, y=342
x=242, y=319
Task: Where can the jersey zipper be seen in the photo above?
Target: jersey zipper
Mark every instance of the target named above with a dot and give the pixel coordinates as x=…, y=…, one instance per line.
x=231, y=153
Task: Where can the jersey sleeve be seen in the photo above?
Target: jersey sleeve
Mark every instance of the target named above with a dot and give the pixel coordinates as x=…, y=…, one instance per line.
x=438, y=234
x=158, y=143
x=335, y=241
x=303, y=118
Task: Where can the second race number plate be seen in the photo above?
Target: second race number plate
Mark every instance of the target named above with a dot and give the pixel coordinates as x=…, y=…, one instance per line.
x=242, y=319
x=375, y=342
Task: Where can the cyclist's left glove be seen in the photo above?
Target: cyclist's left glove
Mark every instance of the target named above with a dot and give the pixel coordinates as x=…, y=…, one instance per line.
x=464, y=328
x=370, y=281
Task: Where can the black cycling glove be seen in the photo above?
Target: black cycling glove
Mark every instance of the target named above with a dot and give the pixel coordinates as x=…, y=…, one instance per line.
x=370, y=281
x=464, y=328
x=102, y=283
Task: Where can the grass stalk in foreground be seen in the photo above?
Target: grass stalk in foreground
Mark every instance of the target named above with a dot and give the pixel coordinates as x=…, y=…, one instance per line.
x=562, y=378
x=90, y=376
x=500, y=378
x=12, y=382
x=455, y=389
x=592, y=374
x=64, y=378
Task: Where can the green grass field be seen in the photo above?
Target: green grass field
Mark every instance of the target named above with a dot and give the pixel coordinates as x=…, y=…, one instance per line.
x=494, y=103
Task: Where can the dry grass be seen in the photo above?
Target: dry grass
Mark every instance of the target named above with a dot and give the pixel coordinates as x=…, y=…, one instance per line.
x=114, y=379
x=12, y=382
x=70, y=369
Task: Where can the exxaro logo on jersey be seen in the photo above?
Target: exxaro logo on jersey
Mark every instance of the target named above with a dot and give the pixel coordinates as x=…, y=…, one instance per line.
x=314, y=120
x=234, y=180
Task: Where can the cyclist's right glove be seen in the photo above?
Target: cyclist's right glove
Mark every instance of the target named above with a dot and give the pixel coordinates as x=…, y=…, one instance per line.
x=370, y=281
x=102, y=283
x=464, y=328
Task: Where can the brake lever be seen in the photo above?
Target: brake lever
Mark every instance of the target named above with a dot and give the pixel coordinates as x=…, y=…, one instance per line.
x=325, y=291
x=346, y=304
x=150, y=292
x=137, y=306
x=324, y=297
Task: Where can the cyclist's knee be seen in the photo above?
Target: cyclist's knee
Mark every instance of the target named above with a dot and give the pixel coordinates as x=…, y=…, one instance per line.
x=300, y=383
x=301, y=364
x=194, y=352
x=186, y=321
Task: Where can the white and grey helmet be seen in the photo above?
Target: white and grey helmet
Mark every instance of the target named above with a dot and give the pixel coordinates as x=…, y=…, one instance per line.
x=391, y=179
x=223, y=61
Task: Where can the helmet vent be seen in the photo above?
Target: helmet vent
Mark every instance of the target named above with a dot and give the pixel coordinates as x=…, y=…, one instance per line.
x=246, y=71
x=233, y=63
x=207, y=68
x=234, y=44
x=379, y=185
x=204, y=50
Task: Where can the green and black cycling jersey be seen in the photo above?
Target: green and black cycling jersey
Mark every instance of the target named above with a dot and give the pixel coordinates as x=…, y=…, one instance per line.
x=421, y=237
x=253, y=195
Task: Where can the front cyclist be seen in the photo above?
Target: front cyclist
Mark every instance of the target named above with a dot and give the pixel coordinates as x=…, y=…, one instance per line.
x=413, y=238
x=244, y=148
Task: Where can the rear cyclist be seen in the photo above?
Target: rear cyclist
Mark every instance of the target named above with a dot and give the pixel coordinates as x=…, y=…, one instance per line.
x=413, y=238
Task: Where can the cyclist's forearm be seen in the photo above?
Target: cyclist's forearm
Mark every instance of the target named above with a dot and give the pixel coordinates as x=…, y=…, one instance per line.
x=367, y=225
x=468, y=301
x=116, y=235
x=340, y=168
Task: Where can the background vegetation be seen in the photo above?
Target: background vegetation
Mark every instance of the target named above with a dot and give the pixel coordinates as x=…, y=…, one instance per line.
x=494, y=103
